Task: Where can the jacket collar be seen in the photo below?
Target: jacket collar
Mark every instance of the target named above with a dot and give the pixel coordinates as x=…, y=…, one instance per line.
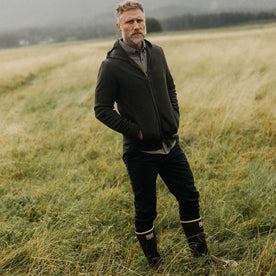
x=130, y=50
x=118, y=52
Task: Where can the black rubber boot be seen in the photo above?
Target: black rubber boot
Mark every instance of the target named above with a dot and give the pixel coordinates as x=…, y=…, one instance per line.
x=197, y=243
x=195, y=236
x=149, y=245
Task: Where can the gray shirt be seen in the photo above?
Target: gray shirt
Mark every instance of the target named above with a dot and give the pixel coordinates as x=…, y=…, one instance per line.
x=139, y=56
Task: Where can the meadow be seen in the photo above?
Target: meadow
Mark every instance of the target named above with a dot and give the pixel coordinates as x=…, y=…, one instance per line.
x=66, y=204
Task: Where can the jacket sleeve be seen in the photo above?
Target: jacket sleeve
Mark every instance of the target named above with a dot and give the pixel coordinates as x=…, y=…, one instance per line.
x=171, y=88
x=105, y=96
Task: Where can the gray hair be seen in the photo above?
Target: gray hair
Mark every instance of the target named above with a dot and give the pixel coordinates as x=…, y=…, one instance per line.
x=127, y=5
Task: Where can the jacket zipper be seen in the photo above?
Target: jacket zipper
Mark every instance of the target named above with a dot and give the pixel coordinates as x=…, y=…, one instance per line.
x=152, y=95
x=151, y=92
x=154, y=105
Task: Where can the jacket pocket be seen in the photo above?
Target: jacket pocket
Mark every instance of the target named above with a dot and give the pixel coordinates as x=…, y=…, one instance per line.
x=150, y=138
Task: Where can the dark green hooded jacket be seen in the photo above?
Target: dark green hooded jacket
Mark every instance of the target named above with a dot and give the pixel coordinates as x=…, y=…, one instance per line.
x=145, y=103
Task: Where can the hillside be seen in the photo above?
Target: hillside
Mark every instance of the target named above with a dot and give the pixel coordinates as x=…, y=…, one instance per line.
x=66, y=205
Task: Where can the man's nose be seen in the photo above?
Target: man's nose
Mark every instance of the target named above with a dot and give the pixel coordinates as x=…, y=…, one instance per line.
x=136, y=25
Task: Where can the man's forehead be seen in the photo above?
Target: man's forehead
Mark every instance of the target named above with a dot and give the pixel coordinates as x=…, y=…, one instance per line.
x=132, y=13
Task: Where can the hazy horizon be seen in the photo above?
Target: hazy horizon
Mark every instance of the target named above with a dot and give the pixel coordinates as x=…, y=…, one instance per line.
x=15, y=14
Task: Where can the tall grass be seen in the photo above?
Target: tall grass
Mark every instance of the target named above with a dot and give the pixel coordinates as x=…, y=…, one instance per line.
x=66, y=202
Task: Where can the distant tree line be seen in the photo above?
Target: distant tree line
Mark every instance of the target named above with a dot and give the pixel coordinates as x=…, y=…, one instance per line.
x=153, y=25
x=188, y=21
x=88, y=30
x=54, y=34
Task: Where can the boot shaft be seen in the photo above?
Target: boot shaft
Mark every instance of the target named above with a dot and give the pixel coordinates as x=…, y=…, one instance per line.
x=149, y=245
x=195, y=235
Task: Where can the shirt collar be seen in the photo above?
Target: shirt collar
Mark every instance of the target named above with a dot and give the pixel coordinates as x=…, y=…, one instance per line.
x=130, y=50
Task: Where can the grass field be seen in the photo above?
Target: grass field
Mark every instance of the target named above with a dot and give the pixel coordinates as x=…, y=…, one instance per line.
x=66, y=205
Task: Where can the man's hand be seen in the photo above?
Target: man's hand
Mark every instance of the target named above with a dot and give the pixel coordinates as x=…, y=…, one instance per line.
x=140, y=135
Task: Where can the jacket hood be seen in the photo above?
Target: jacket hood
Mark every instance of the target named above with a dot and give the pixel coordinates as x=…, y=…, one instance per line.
x=118, y=52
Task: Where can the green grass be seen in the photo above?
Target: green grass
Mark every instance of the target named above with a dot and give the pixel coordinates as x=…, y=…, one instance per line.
x=66, y=205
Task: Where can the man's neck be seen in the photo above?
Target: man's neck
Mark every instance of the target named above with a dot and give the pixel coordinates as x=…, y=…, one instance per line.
x=132, y=45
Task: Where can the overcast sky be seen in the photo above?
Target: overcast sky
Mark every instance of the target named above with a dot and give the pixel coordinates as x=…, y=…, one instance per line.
x=14, y=13
x=21, y=13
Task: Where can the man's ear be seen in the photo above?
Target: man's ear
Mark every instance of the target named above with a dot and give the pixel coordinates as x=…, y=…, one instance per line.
x=118, y=25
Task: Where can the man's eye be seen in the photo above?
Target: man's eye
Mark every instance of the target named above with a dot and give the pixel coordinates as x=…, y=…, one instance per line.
x=130, y=21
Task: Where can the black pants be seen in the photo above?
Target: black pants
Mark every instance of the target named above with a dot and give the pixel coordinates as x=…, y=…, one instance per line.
x=175, y=171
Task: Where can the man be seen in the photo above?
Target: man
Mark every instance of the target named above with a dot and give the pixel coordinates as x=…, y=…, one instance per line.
x=136, y=76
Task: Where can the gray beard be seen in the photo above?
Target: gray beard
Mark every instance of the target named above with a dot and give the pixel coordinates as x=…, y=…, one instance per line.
x=134, y=41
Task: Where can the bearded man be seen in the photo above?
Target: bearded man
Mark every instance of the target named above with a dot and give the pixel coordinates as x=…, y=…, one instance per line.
x=136, y=76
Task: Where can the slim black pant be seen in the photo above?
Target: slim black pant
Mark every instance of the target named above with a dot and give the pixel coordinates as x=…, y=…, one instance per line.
x=175, y=171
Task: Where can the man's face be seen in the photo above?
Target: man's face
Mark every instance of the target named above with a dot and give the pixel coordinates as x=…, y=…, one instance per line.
x=133, y=27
